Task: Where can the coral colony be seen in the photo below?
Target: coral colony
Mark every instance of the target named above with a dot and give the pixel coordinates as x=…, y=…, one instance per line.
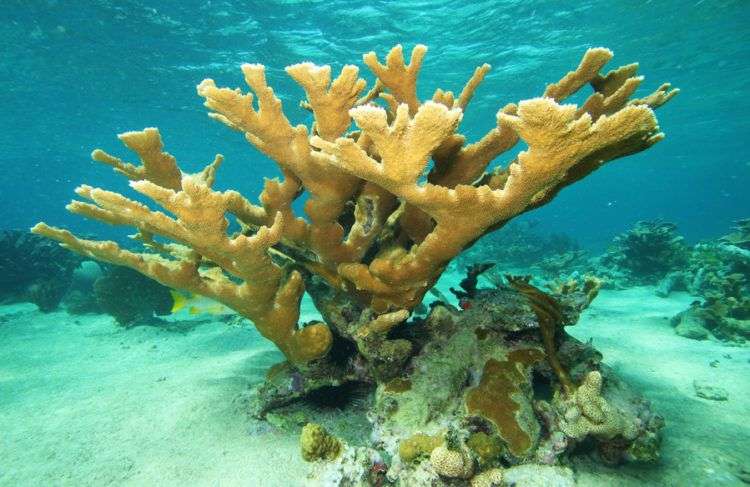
x=389, y=205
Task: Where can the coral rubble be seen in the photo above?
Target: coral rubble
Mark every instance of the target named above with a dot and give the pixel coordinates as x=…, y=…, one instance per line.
x=388, y=206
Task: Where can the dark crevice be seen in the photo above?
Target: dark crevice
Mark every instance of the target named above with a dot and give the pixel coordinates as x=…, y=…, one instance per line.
x=339, y=397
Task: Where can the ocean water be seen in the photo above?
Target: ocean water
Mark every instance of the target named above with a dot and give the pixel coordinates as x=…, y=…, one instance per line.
x=77, y=73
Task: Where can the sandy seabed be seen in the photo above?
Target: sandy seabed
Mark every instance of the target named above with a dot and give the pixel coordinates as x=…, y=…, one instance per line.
x=84, y=402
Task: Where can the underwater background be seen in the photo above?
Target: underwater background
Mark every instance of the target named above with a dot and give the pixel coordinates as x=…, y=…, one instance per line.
x=77, y=73
x=87, y=398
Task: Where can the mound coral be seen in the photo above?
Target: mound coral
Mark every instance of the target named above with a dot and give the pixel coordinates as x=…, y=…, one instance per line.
x=387, y=206
x=587, y=413
x=452, y=463
x=418, y=445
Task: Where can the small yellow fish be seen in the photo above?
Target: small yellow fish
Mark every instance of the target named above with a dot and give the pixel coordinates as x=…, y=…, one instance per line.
x=214, y=309
x=179, y=301
x=196, y=304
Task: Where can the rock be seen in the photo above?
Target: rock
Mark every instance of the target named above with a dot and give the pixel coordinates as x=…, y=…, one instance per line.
x=671, y=282
x=691, y=329
x=530, y=475
x=690, y=325
x=706, y=391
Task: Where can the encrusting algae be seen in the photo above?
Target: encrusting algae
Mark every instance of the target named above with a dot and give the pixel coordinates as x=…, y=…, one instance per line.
x=418, y=445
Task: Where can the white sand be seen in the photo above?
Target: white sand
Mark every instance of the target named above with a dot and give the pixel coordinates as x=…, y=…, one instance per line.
x=85, y=402
x=706, y=442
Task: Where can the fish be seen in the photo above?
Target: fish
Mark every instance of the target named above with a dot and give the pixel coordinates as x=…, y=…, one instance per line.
x=215, y=309
x=196, y=304
x=179, y=301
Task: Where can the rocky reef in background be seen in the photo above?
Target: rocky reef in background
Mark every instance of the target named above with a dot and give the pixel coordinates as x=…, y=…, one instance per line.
x=643, y=255
x=34, y=269
x=716, y=271
x=130, y=297
x=647, y=254
x=719, y=273
x=653, y=253
x=519, y=245
x=740, y=237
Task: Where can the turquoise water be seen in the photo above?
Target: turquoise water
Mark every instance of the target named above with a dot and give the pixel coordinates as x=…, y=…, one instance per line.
x=76, y=74
x=84, y=401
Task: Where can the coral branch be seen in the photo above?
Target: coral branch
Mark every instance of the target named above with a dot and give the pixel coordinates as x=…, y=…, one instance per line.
x=387, y=206
x=265, y=295
x=157, y=166
x=458, y=164
x=587, y=70
x=395, y=75
x=404, y=145
x=471, y=86
x=329, y=104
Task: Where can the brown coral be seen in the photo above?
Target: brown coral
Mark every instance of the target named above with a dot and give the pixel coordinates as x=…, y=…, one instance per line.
x=500, y=398
x=373, y=230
